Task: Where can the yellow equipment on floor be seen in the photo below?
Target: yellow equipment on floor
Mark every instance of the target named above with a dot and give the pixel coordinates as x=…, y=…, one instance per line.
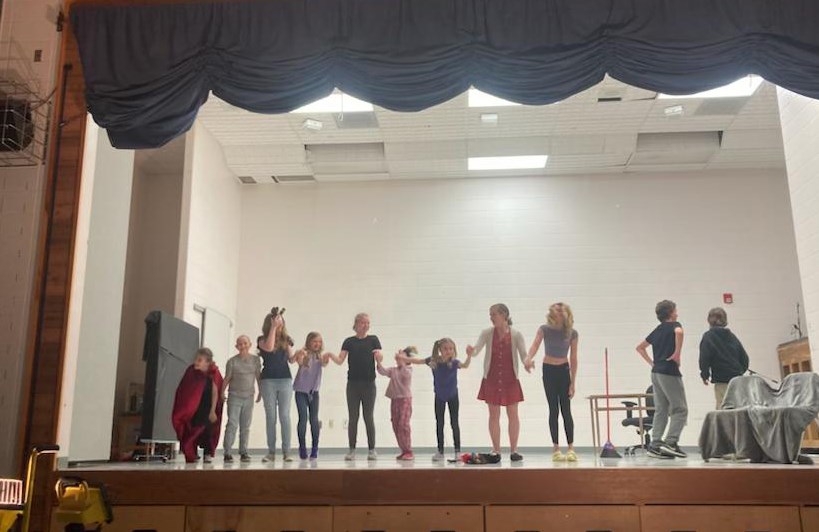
x=80, y=506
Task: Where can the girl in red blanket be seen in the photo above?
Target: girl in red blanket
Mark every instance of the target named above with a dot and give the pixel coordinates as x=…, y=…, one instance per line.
x=197, y=410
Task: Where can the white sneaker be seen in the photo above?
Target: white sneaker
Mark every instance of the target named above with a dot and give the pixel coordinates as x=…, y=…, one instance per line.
x=372, y=455
x=350, y=456
x=207, y=459
x=270, y=457
x=288, y=458
x=438, y=457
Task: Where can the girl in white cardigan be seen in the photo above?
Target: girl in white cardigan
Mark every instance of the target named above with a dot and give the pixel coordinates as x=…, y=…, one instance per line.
x=500, y=386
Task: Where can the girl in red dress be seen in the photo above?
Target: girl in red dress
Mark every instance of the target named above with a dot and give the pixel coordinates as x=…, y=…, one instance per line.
x=500, y=386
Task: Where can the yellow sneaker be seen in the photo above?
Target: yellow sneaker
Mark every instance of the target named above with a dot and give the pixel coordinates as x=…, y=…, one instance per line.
x=557, y=456
x=571, y=456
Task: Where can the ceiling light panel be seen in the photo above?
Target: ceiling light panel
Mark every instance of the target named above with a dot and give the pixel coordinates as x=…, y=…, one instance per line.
x=508, y=162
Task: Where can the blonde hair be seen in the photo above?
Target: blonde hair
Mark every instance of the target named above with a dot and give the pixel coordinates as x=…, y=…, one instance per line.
x=568, y=318
x=436, y=357
x=358, y=317
x=502, y=309
x=312, y=354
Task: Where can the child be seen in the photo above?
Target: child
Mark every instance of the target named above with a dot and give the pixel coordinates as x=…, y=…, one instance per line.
x=445, y=368
x=242, y=375
x=197, y=408
x=401, y=399
x=670, y=407
x=306, y=384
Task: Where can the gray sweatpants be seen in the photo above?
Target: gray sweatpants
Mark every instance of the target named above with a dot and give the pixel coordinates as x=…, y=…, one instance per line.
x=240, y=415
x=670, y=407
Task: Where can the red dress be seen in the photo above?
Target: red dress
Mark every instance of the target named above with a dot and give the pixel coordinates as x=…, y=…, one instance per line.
x=501, y=386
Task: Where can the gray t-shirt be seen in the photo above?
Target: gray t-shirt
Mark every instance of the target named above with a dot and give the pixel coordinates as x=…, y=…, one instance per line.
x=242, y=375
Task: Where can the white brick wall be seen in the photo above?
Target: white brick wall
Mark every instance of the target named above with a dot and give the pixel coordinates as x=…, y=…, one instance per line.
x=426, y=259
x=26, y=26
x=211, y=232
x=800, y=132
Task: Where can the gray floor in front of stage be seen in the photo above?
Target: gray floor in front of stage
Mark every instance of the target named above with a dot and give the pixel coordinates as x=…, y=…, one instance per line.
x=334, y=459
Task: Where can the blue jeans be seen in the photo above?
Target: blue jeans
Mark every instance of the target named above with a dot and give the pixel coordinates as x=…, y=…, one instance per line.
x=240, y=414
x=277, y=394
x=307, y=404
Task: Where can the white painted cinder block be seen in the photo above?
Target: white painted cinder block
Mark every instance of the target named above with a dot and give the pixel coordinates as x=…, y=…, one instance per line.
x=426, y=259
x=800, y=133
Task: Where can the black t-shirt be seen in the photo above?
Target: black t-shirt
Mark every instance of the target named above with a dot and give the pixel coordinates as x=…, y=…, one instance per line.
x=662, y=345
x=360, y=358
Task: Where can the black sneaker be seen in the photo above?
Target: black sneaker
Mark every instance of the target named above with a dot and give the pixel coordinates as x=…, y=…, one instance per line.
x=654, y=451
x=515, y=457
x=245, y=458
x=672, y=449
x=228, y=458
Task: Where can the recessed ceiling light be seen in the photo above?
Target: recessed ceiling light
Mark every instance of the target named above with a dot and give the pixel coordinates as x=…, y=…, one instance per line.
x=510, y=162
x=490, y=119
x=741, y=88
x=336, y=103
x=312, y=124
x=482, y=99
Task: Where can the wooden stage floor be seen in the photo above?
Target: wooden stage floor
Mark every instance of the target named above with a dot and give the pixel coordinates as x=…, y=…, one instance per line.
x=537, y=480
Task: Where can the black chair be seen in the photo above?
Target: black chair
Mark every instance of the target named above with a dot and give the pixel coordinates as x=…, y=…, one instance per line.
x=648, y=421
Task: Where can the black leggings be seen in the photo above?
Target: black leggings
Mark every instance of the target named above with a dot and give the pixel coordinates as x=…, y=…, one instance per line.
x=440, y=407
x=556, y=382
x=361, y=395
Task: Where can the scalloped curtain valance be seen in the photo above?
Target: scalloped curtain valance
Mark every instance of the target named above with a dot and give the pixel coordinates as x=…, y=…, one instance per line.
x=148, y=68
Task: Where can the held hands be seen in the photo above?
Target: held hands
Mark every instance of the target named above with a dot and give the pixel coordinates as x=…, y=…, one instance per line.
x=378, y=356
x=470, y=350
x=529, y=365
x=325, y=359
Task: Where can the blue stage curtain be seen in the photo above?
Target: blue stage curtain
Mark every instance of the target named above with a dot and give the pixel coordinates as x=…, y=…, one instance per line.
x=148, y=68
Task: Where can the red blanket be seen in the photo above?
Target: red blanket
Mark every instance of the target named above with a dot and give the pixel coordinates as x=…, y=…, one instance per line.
x=188, y=396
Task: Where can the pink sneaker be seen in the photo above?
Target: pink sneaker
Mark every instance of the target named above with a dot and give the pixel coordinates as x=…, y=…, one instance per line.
x=407, y=456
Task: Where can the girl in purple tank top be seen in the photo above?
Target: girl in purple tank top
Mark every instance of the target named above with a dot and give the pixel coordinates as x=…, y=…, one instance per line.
x=311, y=360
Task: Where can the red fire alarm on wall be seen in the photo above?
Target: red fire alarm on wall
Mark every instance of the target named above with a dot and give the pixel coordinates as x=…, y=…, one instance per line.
x=727, y=298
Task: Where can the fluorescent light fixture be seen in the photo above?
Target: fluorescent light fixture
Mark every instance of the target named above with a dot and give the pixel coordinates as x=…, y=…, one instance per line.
x=741, y=88
x=490, y=119
x=674, y=110
x=336, y=103
x=482, y=99
x=312, y=124
x=510, y=162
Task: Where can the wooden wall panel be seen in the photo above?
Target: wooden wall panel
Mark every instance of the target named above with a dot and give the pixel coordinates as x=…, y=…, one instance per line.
x=407, y=518
x=810, y=518
x=562, y=518
x=259, y=519
x=720, y=519
x=142, y=519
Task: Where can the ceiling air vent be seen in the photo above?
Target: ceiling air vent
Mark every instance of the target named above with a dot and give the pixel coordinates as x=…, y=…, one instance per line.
x=247, y=180
x=282, y=179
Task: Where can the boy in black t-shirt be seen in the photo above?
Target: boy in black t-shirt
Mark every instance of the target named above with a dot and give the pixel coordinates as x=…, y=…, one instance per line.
x=670, y=407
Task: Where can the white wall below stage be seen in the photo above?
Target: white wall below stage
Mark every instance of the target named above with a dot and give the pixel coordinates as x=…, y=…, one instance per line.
x=426, y=259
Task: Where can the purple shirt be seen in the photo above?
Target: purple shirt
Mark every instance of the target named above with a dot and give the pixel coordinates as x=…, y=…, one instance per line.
x=400, y=386
x=308, y=378
x=445, y=379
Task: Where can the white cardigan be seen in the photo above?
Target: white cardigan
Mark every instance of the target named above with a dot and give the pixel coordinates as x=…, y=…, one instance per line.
x=485, y=340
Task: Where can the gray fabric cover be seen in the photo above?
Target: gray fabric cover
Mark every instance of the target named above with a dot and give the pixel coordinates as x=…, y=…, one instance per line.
x=762, y=423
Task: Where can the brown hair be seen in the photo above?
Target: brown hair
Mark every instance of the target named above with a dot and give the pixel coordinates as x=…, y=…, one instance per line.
x=206, y=353
x=283, y=340
x=717, y=317
x=500, y=308
x=664, y=309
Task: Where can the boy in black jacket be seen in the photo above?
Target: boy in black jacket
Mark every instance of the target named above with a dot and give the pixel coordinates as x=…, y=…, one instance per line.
x=722, y=356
